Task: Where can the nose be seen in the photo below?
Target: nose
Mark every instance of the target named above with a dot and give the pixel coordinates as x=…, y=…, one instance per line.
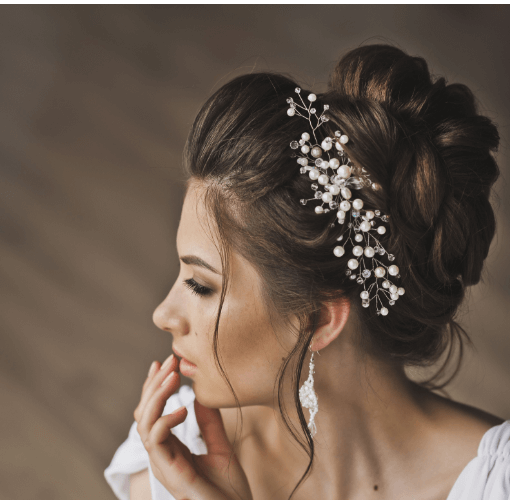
x=170, y=316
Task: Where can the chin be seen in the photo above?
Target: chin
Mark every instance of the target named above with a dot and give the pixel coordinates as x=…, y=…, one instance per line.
x=211, y=399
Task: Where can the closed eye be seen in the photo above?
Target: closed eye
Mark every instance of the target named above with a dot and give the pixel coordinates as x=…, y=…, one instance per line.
x=196, y=288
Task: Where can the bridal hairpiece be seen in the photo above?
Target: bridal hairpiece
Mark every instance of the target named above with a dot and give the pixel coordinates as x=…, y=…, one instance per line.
x=333, y=178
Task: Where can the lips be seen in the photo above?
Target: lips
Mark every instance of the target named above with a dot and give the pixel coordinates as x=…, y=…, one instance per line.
x=179, y=355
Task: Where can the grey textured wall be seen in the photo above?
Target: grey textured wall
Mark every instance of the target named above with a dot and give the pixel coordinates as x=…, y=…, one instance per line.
x=96, y=103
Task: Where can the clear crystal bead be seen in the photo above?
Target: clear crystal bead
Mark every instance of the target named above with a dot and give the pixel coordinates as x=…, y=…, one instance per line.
x=333, y=205
x=294, y=145
x=289, y=100
x=377, y=212
x=365, y=303
x=384, y=218
x=366, y=273
x=350, y=224
x=326, y=106
x=301, y=142
x=338, y=133
x=360, y=280
x=355, y=213
x=326, y=210
x=313, y=110
x=298, y=90
x=381, y=251
x=391, y=256
x=318, y=162
x=302, y=170
x=340, y=238
x=318, y=194
x=398, y=275
x=352, y=276
x=392, y=302
x=325, y=118
x=303, y=201
x=315, y=186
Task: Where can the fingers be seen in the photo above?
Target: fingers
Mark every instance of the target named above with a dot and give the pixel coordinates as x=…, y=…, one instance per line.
x=161, y=430
x=155, y=405
x=212, y=428
x=157, y=374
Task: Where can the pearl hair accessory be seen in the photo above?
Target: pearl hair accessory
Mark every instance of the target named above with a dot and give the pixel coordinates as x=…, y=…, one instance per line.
x=333, y=179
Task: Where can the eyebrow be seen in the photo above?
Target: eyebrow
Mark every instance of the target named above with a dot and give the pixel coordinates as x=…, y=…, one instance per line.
x=193, y=260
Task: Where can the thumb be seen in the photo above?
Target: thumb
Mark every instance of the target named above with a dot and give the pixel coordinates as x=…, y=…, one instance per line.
x=212, y=428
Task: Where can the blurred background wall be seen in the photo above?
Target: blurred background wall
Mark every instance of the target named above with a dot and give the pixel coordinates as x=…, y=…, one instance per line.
x=96, y=103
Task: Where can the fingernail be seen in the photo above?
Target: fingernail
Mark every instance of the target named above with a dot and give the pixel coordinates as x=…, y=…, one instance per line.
x=152, y=369
x=168, y=378
x=167, y=362
x=178, y=410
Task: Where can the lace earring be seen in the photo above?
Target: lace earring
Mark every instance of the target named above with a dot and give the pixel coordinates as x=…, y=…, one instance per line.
x=308, y=398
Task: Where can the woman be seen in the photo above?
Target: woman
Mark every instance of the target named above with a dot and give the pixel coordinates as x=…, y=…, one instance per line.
x=296, y=312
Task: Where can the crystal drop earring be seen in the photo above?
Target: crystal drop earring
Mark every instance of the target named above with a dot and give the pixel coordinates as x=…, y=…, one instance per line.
x=308, y=398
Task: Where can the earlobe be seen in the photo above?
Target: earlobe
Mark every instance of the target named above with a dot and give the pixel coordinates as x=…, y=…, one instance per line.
x=333, y=319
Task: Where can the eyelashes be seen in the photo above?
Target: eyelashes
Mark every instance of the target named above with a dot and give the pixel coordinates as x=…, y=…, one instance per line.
x=196, y=288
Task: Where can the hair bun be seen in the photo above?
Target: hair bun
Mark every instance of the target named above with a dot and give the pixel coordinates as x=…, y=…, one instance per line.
x=432, y=155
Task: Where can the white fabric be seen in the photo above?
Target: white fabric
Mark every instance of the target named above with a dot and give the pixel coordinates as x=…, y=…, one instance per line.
x=485, y=477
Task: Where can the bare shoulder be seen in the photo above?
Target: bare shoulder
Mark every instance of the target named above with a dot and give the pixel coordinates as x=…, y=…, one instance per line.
x=465, y=423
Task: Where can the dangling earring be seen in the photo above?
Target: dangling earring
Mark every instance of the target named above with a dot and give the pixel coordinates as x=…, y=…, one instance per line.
x=308, y=398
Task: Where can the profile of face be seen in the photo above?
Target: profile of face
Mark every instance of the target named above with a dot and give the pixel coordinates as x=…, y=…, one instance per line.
x=249, y=348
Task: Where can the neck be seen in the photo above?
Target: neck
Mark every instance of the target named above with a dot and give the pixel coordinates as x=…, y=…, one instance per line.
x=371, y=420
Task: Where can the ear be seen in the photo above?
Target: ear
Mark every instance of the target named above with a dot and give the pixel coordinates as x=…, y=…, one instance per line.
x=332, y=320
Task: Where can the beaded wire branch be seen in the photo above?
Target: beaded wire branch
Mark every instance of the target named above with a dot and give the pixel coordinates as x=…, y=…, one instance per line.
x=337, y=177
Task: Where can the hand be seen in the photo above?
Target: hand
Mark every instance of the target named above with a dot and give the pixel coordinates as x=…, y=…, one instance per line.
x=185, y=475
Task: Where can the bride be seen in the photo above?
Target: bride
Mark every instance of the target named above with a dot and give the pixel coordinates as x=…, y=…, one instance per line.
x=326, y=242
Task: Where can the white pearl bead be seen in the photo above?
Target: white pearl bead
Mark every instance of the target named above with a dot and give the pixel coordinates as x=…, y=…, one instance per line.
x=325, y=164
x=305, y=136
x=345, y=205
x=312, y=97
x=291, y=111
x=316, y=152
x=386, y=284
x=379, y=272
x=334, y=163
x=323, y=179
x=346, y=193
x=394, y=296
x=384, y=311
x=327, y=197
x=305, y=149
x=357, y=251
x=393, y=270
x=369, y=214
x=364, y=294
x=339, y=251
x=314, y=174
x=369, y=252
x=365, y=226
x=334, y=189
x=344, y=171
x=353, y=263
x=319, y=209
x=357, y=204
x=393, y=289
x=344, y=139
x=401, y=291
x=358, y=237
x=326, y=145
x=340, y=214
x=339, y=146
x=381, y=229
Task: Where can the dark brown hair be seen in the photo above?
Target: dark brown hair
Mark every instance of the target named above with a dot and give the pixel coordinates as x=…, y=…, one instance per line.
x=422, y=141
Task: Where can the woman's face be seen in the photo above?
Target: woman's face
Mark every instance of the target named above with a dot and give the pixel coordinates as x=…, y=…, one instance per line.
x=250, y=351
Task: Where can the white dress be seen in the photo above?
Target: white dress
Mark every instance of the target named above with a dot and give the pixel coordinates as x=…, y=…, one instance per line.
x=485, y=477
